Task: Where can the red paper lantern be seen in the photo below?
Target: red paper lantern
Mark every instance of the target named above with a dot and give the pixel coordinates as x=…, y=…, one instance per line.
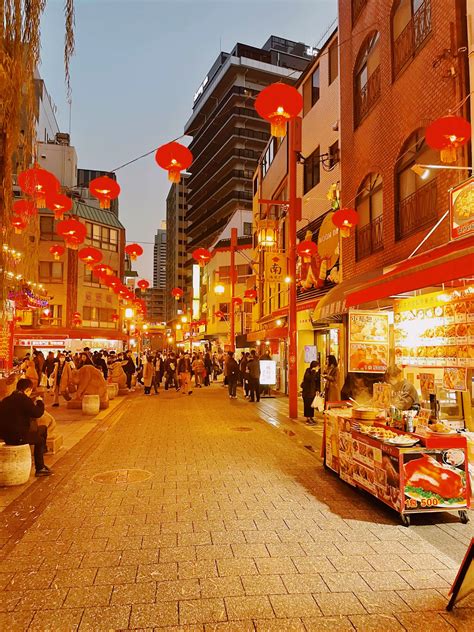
x=220, y=315
x=57, y=251
x=72, y=231
x=447, y=134
x=174, y=158
x=202, y=256
x=112, y=282
x=90, y=256
x=104, y=189
x=38, y=183
x=177, y=293
x=102, y=270
x=306, y=249
x=19, y=223
x=278, y=103
x=115, y=318
x=345, y=219
x=250, y=294
x=133, y=251
x=27, y=208
x=59, y=204
x=76, y=319
x=237, y=300
x=143, y=284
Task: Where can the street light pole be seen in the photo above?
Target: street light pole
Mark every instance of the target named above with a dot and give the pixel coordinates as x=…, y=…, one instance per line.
x=233, y=246
x=294, y=214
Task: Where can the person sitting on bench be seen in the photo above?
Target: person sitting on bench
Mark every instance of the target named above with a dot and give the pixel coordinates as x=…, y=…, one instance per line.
x=16, y=414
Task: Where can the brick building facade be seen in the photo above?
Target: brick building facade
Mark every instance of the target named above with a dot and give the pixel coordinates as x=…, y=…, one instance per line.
x=402, y=65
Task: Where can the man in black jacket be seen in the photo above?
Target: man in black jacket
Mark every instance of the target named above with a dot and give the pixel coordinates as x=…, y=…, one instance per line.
x=16, y=412
x=129, y=368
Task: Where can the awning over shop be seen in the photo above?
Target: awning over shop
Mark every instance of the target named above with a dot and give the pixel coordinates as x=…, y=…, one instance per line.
x=268, y=334
x=450, y=262
x=76, y=333
x=334, y=302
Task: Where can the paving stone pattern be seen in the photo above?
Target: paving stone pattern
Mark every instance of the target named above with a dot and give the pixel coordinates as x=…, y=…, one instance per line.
x=232, y=531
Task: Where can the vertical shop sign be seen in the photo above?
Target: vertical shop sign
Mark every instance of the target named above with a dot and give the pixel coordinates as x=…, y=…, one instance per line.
x=275, y=267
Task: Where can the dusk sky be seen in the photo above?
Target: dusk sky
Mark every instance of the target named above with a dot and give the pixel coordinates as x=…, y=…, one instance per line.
x=136, y=68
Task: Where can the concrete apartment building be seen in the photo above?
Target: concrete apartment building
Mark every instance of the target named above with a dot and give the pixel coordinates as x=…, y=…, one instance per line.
x=159, y=257
x=69, y=284
x=176, y=205
x=228, y=135
x=318, y=171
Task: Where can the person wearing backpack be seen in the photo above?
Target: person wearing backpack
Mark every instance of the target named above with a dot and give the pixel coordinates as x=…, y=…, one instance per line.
x=232, y=374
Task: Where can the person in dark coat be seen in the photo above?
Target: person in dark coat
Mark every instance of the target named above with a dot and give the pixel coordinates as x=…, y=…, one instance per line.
x=129, y=368
x=208, y=367
x=16, y=412
x=253, y=368
x=232, y=372
x=310, y=385
x=100, y=364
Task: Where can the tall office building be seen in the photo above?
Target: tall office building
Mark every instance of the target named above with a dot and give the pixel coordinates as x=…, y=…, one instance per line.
x=176, y=205
x=228, y=134
x=159, y=258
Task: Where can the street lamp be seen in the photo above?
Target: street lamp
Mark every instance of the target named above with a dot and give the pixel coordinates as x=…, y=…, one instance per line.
x=129, y=314
x=219, y=289
x=267, y=232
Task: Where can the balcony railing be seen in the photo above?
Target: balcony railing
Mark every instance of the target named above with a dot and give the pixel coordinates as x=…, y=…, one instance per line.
x=412, y=37
x=369, y=238
x=417, y=210
x=367, y=96
x=357, y=6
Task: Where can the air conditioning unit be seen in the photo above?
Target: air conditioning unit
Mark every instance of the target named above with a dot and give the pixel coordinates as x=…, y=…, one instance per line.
x=62, y=138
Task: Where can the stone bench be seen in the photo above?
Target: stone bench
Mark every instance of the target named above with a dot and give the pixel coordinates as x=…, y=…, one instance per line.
x=15, y=464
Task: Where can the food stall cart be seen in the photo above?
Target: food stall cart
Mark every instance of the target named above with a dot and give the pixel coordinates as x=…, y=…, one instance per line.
x=419, y=472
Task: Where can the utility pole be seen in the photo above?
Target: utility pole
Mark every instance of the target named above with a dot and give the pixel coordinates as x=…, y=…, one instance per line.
x=233, y=247
x=294, y=214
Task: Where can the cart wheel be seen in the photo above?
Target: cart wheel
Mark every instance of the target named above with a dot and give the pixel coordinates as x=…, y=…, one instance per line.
x=405, y=520
x=463, y=516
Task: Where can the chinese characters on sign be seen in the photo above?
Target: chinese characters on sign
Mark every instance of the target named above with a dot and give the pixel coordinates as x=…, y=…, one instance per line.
x=275, y=267
x=368, y=342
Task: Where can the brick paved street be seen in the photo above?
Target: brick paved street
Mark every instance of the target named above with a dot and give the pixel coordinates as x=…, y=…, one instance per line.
x=220, y=522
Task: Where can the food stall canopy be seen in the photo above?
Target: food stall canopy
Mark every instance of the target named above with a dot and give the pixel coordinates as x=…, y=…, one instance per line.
x=334, y=302
x=450, y=262
x=264, y=334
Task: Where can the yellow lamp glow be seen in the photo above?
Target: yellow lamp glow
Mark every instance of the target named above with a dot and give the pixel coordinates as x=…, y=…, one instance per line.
x=219, y=288
x=129, y=312
x=184, y=319
x=178, y=327
x=267, y=232
x=279, y=322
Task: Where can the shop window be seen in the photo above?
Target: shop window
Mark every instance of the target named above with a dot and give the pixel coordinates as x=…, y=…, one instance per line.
x=248, y=229
x=102, y=237
x=51, y=271
x=369, y=206
x=47, y=231
x=367, y=78
x=98, y=317
x=411, y=25
x=311, y=91
x=312, y=170
x=416, y=197
x=333, y=61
